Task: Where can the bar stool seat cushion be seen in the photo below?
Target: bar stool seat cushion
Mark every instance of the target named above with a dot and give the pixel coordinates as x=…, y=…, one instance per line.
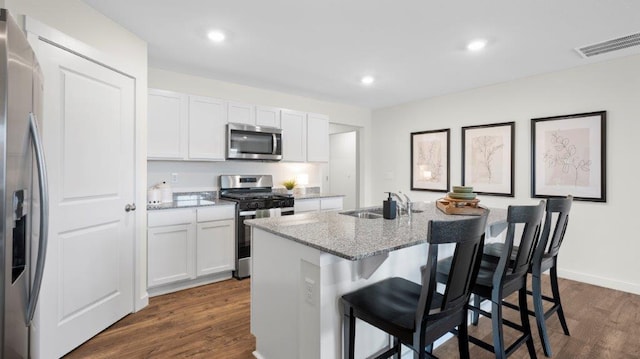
x=392, y=304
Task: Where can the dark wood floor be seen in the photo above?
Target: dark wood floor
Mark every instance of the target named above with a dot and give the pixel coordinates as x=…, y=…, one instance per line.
x=212, y=321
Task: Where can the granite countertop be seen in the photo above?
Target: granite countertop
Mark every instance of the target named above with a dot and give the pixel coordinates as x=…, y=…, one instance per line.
x=191, y=199
x=357, y=238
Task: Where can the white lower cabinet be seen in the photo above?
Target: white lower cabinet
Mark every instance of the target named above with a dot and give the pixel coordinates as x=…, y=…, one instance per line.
x=171, y=251
x=331, y=204
x=317, y=204
x=215, y=251
x=187, y=244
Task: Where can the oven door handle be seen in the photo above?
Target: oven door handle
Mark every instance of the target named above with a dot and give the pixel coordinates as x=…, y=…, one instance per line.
x=247, y=213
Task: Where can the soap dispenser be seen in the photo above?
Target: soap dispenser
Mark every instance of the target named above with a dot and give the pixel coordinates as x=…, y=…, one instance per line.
x=389, y=208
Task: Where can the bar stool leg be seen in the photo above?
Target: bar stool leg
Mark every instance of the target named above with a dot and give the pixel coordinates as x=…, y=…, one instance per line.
x=349, y=332
x=496, y=323
x=556, y=298
x=475, y=316
x=463, y=340
x=536, y=285
x=524, y=317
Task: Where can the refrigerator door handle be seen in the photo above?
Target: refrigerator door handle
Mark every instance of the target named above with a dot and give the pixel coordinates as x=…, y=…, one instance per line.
x=44, y=217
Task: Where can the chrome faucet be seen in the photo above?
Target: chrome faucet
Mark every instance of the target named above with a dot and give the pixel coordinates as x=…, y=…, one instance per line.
x=407, y=203
x=403, y=204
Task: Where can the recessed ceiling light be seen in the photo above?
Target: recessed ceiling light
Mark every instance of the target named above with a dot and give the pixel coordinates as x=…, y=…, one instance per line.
x=216, y=36
x=477, y=45
x=367, y=80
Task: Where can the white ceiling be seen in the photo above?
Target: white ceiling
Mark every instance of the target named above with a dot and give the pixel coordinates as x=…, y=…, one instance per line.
x=415, y=49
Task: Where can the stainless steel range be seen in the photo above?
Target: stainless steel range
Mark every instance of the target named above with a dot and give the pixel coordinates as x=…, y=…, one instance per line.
x=255, y=199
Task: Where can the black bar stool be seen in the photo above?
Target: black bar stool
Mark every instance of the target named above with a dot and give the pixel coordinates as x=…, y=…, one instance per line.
x=417, y=315
x=501, y=276
x=545, y=259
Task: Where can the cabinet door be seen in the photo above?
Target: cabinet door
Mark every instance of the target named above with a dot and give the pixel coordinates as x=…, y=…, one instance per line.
x=215, y=249
x=207, y=128
x=294, y=136
x=331, y=204
x=317, y=138
x=268, y=116
x=171, y=254
x=241, y=113
x=167, y=125
x=306, y=205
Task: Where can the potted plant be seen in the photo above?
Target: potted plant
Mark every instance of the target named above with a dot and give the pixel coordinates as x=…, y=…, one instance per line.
x=289, y=184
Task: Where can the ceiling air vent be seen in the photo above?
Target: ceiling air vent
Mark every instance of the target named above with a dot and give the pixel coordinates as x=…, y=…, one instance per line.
x=609, y=46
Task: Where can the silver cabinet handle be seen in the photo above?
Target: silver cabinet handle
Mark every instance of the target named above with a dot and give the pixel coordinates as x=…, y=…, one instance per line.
x=44, y=217
x=130, y=207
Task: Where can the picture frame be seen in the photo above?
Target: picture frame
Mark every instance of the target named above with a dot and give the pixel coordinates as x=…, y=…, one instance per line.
x=488, y=154
x=568, y=156
x=430, y=160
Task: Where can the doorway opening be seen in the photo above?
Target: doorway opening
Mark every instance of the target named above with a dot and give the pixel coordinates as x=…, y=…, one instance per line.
x=344, y=163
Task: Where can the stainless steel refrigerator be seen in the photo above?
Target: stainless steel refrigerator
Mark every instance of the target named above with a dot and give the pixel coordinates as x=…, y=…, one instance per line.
x=23, y=190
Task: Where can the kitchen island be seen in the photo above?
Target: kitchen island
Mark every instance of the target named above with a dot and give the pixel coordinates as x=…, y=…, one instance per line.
x=302, y=264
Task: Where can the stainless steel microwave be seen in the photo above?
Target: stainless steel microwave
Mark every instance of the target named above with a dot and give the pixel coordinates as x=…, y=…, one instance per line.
x=246, y=142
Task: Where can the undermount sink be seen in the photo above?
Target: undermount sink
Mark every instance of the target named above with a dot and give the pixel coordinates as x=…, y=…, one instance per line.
x=373, y=213
x=378, y=210
x=363, y=213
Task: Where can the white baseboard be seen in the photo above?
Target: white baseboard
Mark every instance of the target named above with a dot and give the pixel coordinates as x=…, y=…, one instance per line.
x=628, y=287
x=174, y=287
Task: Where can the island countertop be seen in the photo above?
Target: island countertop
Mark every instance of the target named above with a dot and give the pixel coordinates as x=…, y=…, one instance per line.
x=357, y=238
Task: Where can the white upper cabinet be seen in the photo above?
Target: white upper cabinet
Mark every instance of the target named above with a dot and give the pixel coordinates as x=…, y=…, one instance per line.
x=185, y=127
x=241, y=113
x=268, y=116
x=294, y=136
x=188, y=127
x=317, y=138
x=167, y=125
x=207, y=128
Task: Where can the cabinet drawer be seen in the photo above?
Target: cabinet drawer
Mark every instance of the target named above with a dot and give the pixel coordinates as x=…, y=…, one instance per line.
x=170, y=217
x=216, y=213
x=306, y=205
x=328, y=204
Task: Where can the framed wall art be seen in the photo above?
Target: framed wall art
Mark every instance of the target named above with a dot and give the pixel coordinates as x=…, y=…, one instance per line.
x=430, y=160
x=488, y=154
x=568, y=156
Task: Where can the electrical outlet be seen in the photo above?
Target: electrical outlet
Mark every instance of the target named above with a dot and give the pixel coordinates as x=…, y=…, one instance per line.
x=174, y=178
x=308, y=290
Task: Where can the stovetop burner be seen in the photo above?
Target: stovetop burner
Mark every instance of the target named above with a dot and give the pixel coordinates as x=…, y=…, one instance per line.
x=246, y=196
x=253, y=192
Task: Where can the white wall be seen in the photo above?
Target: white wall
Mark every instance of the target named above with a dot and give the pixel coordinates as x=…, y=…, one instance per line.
x=202, y=174
x=601, y=245
x=122, y=50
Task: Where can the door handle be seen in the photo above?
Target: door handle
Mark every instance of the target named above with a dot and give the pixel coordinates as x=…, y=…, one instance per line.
x=274, y=138
x=44, y=217
x=130, y=207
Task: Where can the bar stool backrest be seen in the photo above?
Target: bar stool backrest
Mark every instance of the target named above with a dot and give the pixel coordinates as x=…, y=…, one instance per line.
x=468, y=236
x=530, y=217
x=560, y=207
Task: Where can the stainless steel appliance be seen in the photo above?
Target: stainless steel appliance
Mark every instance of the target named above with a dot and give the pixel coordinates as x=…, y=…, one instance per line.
x=255, y=199
x=23, y=198
x=247, y=142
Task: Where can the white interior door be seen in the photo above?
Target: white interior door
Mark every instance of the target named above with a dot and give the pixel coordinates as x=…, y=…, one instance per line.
x=88, y=135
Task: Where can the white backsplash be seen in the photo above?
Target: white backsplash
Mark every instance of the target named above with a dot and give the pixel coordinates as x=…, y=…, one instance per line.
x=204, y=176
